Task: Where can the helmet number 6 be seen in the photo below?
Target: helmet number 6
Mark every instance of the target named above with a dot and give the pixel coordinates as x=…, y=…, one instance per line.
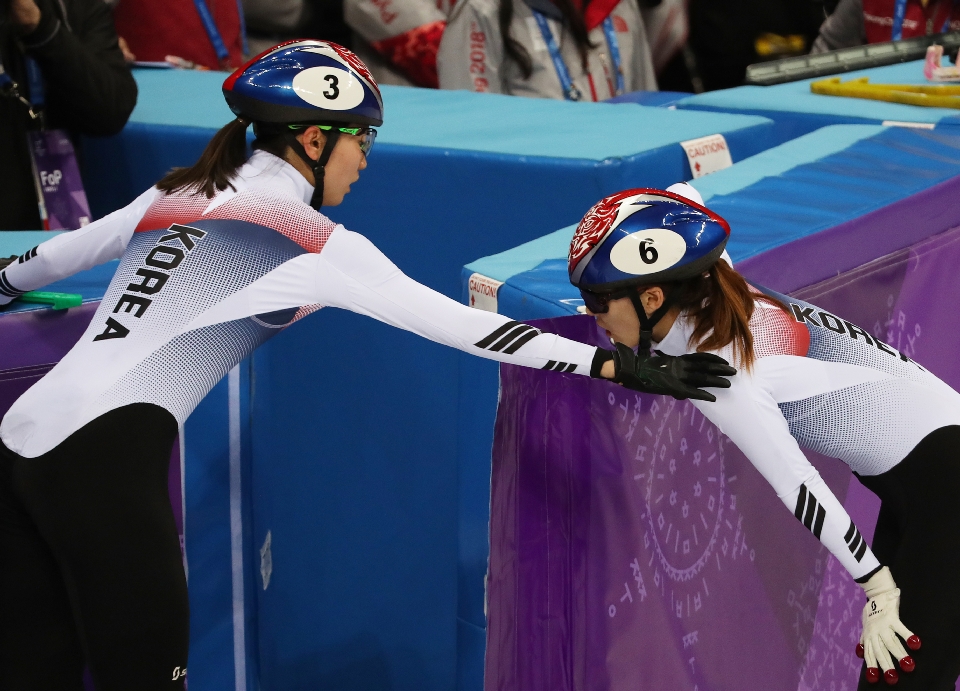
x=647, y=252
x=334, y=86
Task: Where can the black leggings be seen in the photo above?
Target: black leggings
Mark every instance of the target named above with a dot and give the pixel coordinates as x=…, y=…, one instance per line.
x=918, y=537
x=90, y=564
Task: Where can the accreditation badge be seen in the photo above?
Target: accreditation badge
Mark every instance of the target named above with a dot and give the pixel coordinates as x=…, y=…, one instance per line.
x=60, y=194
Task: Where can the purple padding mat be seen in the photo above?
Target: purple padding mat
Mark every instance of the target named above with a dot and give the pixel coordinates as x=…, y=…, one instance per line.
x=634, y=547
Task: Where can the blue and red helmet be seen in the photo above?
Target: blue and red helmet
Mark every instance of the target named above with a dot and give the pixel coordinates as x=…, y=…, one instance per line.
x=644, y=236
x=305, y=81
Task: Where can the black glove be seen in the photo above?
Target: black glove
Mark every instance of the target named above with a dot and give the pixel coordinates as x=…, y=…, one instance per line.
x=670, y=375
x=7, y=261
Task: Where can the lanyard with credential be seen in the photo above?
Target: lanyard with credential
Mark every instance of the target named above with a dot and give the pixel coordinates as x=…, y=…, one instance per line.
x=614, y=46
x=900, y=11
x=11, y=89
x=571, y=92
x=223, y=55
x=61, y=199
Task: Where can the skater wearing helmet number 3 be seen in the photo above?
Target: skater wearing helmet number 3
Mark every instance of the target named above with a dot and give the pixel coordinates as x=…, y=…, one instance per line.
x=214, y=260
x=649, y=266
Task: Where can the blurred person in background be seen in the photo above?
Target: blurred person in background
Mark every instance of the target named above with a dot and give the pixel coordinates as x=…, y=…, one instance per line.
x=728, y=35
x=271, y=22
x=668, y=28
x=562, y=49
x=399, y=39
x=207, y=33
x=76, y=71
x=856, y=22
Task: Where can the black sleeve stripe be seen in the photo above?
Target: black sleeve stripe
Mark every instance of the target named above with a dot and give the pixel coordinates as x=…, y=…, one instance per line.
x=849, y=536
x=860, y=552
x=570, y=368
x=811, y=510
x=6, y=288
x=486, y=341
x=549, y=365
x=801, y=502
x=818, y=524
x=516, y=333
x=855, y=541
x=517, y=344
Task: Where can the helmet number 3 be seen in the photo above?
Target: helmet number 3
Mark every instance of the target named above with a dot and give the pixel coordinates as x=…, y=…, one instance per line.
x=329, y=88
x=334, y=90
x=648, y=251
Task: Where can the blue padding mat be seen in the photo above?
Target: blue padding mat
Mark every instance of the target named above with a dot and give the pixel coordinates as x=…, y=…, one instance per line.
x=816, y=182
x=797, y=110
x=177, y=112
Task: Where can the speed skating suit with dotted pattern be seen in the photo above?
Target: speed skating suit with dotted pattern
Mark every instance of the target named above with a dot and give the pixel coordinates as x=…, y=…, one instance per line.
x=822, y=383
x=202, y=282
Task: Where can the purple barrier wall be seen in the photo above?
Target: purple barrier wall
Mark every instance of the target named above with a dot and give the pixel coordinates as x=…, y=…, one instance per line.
x=634, y=547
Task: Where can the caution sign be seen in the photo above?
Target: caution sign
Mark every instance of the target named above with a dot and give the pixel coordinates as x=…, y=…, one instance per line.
x=707, y=155
x=483, y=292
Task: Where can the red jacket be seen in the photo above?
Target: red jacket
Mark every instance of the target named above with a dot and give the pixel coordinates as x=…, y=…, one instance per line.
x=154, y=30
x=917, y=20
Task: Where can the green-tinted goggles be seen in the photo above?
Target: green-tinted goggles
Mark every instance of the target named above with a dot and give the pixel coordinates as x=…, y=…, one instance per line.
x=367, y=135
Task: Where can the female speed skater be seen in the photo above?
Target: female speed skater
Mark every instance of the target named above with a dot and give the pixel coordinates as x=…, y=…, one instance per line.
x=214, y=260
x=648, y=264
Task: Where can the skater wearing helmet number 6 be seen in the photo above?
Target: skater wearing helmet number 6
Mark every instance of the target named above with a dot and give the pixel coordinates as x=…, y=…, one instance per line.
x=648, y=264
x=214, y=260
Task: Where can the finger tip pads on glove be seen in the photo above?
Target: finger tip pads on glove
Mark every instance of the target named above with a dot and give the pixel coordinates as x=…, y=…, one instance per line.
x=913, y=642
x=873, y=674
x=860, y=650
x=891, y=677
x=907, y=664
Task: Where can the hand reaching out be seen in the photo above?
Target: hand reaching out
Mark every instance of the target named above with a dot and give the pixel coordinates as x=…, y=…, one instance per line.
x=677, y=376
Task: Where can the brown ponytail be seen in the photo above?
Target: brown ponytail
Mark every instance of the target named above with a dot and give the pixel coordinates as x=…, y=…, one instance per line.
x=720, y=303
x=224, y=156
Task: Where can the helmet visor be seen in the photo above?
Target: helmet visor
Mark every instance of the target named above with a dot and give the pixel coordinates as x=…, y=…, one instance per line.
x=599, y=303
x=367, y=138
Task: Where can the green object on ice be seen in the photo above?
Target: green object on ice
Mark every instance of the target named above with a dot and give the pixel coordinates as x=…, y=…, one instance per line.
x=59, y=301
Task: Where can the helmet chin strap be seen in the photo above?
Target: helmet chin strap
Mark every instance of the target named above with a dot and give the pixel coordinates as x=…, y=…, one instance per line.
x=648, y=323
x=332, y=135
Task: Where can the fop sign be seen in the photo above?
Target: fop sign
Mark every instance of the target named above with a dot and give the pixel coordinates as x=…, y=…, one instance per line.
x=51, y=180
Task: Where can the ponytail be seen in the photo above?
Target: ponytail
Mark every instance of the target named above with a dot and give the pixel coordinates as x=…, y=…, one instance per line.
x=224, y=156
x=720, y=303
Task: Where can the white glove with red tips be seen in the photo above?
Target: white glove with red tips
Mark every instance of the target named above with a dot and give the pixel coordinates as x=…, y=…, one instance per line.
x=881, y=626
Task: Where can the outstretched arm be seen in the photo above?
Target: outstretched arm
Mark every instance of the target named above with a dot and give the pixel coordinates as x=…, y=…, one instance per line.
x=67, y=253
x=748, y=414
x=353, y=274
